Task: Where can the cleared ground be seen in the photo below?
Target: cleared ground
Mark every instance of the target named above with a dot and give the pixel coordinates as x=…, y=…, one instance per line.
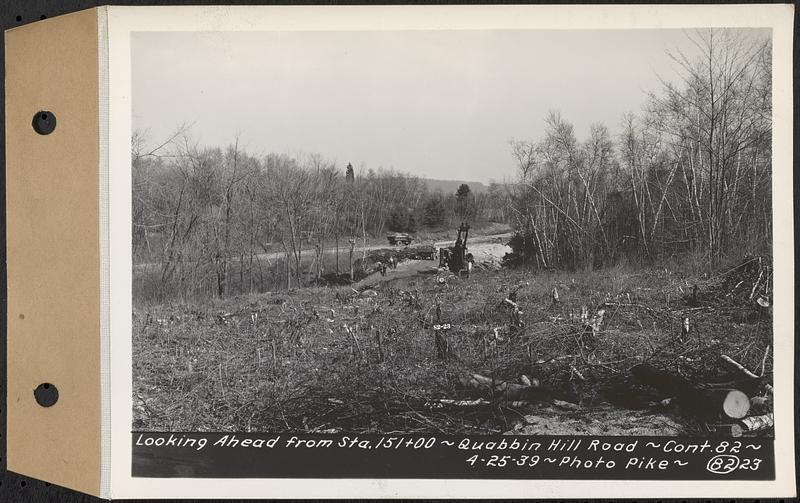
x=365, y=359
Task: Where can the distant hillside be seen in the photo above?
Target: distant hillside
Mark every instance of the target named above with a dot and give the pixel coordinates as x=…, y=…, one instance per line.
x=450, y=186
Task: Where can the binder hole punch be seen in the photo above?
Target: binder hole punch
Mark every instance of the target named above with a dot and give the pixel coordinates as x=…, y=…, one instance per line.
x=44, y=122
x=46, y=394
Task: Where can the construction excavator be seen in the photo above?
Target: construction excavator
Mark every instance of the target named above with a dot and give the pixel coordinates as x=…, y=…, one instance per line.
x=455, y=258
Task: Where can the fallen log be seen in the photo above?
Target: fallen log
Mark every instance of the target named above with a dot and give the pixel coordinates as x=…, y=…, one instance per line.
x=741, y=382
x=693, y=398
x=476, y=381
x=757, y=423
x=480, y=402
x=727, y=430
x=668, y=385
x=760, y=404
x=507, y=391
x=739, y=366
x=440, y=402
x=565, y=405
x=469, y=404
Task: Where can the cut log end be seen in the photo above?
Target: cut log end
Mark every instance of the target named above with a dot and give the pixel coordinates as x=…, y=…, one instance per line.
x=736, y=404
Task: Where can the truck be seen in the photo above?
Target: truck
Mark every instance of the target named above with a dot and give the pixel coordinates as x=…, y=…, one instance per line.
x=399, y=238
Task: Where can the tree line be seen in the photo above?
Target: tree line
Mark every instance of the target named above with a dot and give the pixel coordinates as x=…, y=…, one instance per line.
x=692, y=172
x=219, y=221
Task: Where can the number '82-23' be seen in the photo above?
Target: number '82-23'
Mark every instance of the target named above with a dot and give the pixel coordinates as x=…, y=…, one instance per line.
x=726, y=463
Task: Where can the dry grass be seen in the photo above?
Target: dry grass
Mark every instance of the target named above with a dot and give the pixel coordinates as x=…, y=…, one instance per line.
x=330, y=359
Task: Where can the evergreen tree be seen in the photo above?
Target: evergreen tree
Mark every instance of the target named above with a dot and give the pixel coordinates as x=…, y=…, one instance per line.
x=397, y=222
x=464, y=201
x=411, y=223
x=433, y=215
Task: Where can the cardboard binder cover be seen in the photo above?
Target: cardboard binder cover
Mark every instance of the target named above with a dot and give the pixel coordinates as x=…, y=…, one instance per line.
x=53, y=250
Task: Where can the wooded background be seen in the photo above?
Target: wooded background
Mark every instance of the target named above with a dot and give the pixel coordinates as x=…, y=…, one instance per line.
x=689, y=174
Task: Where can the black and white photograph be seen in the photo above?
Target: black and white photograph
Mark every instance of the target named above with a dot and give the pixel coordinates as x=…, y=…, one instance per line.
x=453, y=232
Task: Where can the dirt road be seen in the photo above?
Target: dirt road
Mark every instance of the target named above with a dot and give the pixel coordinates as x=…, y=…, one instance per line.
x=484, y=249
x=487, y=246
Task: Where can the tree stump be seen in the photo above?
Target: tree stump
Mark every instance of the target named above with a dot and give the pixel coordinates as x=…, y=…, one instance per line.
x=441, y=345
x=693, y=398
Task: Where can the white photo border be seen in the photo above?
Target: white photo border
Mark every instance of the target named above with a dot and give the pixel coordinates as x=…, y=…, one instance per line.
x=122, y=21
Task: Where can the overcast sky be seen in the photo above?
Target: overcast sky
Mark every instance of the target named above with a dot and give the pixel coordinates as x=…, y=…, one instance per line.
x=439, y=104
